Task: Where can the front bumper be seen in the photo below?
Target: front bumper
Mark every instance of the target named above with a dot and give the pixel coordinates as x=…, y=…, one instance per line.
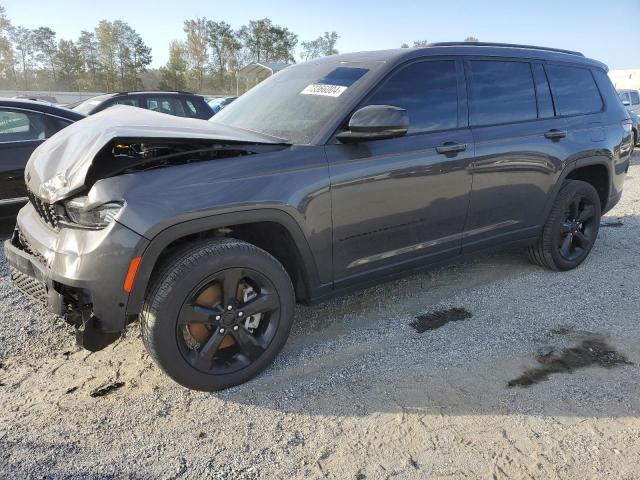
x=76, y=273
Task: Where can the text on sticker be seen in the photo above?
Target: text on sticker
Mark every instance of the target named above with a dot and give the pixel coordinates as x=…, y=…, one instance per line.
x=323, y=89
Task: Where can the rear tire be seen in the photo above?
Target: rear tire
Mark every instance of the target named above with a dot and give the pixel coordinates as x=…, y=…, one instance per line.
x=211, y=344
x=571, y=228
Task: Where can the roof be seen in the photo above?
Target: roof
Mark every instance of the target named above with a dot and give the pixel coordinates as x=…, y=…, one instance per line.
x=271, y=67
x=467, y=49
x=43, y=107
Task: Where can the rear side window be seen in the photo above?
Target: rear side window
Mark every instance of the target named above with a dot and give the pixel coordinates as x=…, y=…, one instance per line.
x=501, y=92
x=543, y=93
x=171, y=106
x=131, y=101
x=574, y=89
x=427, y=90
x=190, y=109
x=635, y=98
x=17, y=126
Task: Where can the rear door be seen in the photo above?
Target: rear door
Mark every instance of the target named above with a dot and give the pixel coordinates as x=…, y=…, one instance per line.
x=520, y=146
x=402, y=200
x=21, y=131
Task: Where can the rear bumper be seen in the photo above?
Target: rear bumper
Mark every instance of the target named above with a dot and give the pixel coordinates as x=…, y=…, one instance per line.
x=76, y=273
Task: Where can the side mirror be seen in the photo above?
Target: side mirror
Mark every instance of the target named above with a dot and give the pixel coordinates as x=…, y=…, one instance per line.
x=375, y=122
x=626, y=103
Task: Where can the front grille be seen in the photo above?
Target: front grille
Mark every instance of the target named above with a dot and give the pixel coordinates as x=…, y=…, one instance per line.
x=46, y=210
x=29, y=285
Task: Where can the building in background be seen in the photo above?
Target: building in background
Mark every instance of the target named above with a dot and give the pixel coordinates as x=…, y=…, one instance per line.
x=251, y=75
x=625, y=79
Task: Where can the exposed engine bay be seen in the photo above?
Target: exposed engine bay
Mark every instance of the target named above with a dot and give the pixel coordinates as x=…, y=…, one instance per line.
x=127, y=155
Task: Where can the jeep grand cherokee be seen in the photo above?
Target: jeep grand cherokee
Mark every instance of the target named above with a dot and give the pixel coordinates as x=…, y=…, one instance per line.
x=330, y=175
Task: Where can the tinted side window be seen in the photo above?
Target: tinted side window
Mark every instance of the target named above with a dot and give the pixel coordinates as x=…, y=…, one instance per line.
x=57, y=124
x=172, y=106
x=545, y=103
x=427, y=90
x=131, y=101
x=501, y=92
x=635, y=98
x=17, y=126
x=575, y=90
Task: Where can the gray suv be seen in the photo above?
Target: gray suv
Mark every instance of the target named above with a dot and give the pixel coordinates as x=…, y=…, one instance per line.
x=329, y=176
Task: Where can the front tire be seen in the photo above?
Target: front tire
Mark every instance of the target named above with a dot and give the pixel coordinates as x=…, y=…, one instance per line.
x=571, y=228
x=217, y=314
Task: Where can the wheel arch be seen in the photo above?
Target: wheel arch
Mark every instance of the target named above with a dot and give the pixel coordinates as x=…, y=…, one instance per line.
x=301, y=266
x=585, y=169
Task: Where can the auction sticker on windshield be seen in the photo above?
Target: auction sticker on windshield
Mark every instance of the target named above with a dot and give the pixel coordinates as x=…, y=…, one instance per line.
x=324, y=90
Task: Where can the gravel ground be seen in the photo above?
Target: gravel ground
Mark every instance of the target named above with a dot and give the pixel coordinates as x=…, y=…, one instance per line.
x=358, y=392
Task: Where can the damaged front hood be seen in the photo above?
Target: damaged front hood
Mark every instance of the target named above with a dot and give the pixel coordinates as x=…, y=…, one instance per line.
x=58, y=168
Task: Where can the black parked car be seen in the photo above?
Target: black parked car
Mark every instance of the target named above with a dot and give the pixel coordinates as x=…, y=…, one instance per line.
x=24, y=125
x=376, y=164
x=180, y=104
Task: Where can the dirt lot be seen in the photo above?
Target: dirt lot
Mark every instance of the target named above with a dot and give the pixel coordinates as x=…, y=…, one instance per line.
x=538, y=377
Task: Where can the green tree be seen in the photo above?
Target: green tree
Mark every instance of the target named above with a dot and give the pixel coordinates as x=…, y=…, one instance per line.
x=107, y=47
x=45, y=50
x=22, y=39
x=420, y=43
x=69, y=64
x=225, y=48
x=174, y=73
x=198, y=49
x=87, y=47
x=267, y=42
x=321, y=46
x=7, y=58
x=471, y=39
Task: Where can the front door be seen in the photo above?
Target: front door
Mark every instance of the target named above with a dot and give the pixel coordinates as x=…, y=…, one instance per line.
x=400, y=201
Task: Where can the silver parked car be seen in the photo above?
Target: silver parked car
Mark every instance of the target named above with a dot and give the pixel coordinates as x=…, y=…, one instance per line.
x=631, y=100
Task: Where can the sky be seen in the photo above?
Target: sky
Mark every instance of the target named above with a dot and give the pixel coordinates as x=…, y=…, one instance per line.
x=607, y=30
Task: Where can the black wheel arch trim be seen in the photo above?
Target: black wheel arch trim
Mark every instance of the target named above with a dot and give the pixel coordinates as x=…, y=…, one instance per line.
x=151, y=252
x=575, y=165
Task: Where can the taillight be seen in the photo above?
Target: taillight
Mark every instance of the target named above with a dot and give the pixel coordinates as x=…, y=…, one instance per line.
x=627, y=125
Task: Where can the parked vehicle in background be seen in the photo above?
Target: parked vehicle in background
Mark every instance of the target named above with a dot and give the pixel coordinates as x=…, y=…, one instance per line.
x=635, y=119
x=24, y=124
x=375, y=164
x=38, y=98
x=218, y=104
x=179, y=104
x=630, y=99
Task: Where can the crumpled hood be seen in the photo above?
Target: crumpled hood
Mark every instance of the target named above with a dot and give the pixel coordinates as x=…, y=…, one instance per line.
x=59, y=166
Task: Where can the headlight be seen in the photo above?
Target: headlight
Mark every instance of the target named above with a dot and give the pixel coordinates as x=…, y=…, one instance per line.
x=97, y=217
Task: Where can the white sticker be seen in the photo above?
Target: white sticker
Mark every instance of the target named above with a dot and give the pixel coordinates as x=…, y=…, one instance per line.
x=323, y=89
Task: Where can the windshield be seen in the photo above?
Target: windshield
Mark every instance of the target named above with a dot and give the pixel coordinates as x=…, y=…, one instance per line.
x=88, y=105
x=295, y=103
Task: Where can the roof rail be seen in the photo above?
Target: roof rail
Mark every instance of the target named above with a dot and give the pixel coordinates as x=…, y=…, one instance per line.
x=510, y=45
x=153, y=91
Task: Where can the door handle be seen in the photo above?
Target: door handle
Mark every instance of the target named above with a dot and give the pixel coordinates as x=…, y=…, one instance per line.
x=555, y=134
x=450, y=147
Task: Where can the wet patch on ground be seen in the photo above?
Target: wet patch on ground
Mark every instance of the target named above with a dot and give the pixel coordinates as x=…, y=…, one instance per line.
x=616, y=224
x=433, y=320
x=591, y=352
